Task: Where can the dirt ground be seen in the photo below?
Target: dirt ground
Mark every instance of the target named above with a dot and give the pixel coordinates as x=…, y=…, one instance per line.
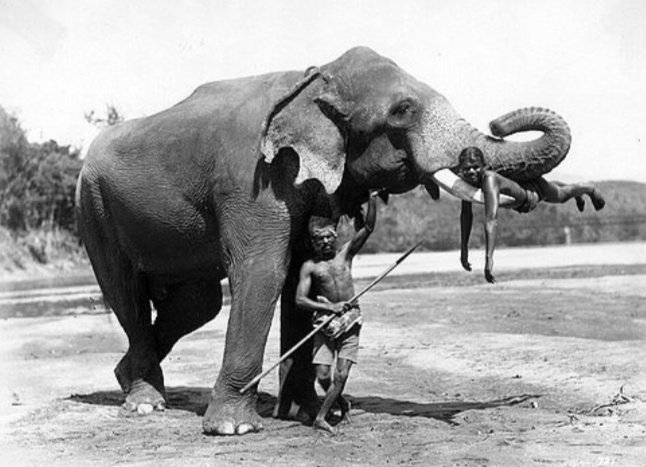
x=546, y=367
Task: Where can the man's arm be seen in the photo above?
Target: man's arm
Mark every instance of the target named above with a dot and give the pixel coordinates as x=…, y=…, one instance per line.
x=466, y=221
x=493, y=185
x=364, y=232
x=303, y=291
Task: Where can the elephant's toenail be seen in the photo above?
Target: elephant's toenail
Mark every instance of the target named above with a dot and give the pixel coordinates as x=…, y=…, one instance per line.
x=144, y=409
x=225, y=428
x=245, y=428
x=129, y=406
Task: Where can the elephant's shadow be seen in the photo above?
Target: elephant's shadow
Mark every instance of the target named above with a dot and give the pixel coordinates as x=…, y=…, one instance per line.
x=195, y=400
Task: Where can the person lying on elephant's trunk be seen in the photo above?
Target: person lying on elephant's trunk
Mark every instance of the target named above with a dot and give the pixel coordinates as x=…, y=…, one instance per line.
x=526, y=196
x=327, y=276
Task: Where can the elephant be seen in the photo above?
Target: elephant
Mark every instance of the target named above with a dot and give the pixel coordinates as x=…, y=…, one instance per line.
x=221, y=185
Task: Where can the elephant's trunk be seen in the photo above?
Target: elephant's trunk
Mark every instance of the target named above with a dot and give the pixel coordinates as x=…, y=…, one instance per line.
x=528, y=160
x=446, y=134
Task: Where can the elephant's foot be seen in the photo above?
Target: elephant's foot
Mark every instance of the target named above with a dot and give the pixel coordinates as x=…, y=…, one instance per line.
x=143, y=399
x=143, y=394
x=231, y=414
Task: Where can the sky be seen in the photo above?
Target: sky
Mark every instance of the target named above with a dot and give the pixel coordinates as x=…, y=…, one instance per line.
x=585, y=60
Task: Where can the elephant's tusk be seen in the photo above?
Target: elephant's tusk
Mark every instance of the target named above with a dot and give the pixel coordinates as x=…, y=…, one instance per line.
x=457, y=187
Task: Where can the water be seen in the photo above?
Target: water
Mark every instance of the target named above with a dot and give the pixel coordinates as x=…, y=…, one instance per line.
x=48, y=283
x=73, y=295
x=56, y=296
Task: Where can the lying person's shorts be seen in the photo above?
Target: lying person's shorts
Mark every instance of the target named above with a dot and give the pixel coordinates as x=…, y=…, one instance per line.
x=533, y=196
x=346, y=346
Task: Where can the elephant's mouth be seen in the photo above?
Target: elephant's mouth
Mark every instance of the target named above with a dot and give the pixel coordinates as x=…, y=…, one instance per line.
x=398, y=175
x=454, y=185
x=407, y=177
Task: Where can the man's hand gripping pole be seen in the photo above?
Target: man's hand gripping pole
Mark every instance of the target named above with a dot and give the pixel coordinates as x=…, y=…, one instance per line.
x=353, y=300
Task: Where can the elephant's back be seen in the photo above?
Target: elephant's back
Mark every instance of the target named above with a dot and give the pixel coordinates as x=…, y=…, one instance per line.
x=219, y=121
x=217, y=128
x=235, y=106
x=235, y=93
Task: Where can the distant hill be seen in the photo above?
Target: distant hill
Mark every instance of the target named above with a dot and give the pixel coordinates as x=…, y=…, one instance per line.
x=414, y=215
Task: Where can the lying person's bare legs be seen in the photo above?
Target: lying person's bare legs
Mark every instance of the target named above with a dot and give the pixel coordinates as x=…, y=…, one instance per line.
x=559, y=192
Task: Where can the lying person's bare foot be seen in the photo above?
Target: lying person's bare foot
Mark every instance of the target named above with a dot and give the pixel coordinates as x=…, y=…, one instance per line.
x=597, y=200
x=321, y=424
x=580, y=203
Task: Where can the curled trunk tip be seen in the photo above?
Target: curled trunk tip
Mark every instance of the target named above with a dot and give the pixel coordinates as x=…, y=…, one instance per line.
x=531, y=159
x=529, y=119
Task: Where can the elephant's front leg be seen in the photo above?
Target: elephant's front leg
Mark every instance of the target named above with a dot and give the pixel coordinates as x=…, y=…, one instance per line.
x=255, y=285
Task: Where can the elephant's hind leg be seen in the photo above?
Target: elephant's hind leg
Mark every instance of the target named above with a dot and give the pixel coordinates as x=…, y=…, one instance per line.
x=138, y=372
x=126, y=291
x=183, y=308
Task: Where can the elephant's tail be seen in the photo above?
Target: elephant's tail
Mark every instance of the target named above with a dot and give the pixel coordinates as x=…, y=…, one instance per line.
x=77, y=205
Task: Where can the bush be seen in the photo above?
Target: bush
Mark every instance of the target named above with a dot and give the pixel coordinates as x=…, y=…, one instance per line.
x=37, y=181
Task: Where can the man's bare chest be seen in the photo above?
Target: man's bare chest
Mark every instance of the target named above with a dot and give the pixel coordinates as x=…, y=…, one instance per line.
x=330, y=272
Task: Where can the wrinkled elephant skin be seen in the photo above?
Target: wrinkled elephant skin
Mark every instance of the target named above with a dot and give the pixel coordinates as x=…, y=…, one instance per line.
x=222, y=184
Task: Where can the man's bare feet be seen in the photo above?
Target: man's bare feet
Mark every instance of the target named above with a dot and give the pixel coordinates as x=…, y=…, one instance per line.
x=597, y=200
x=321, y=424
x=580, y=203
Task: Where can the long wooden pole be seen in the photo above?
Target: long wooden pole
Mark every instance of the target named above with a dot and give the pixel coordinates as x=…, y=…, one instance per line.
x=353, y=300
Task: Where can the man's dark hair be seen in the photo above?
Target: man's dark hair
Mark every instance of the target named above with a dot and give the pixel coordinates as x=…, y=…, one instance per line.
x=318, y=224
x=471, y=151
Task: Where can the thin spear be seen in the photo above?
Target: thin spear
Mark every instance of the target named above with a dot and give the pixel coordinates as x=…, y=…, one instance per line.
x=353, y=300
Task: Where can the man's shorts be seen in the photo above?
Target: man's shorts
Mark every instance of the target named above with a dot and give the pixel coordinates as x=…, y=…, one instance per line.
x=534, y=195
x=346, y=346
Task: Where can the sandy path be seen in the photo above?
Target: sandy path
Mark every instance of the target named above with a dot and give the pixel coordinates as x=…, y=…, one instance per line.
x=509, y=374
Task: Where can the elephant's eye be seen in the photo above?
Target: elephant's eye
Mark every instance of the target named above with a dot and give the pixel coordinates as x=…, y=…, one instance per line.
x=403, y=109
x=402, y=113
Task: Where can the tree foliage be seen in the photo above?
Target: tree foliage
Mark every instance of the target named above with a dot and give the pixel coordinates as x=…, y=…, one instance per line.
x=112, y=117
x=37, y=180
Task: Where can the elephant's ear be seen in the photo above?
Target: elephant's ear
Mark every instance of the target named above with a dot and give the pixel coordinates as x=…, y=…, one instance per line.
x=304, y=120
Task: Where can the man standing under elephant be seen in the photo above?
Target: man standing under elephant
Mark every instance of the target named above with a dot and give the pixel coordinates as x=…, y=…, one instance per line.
x=327, y=276
x=526, y=195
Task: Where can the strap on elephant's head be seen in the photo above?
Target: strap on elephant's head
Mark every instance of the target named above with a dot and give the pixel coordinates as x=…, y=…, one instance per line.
x=310, y=74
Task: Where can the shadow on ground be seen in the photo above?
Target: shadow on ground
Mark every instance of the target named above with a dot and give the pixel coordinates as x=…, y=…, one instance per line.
x=443, y=411
x=195, y=400
x=185, y=398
